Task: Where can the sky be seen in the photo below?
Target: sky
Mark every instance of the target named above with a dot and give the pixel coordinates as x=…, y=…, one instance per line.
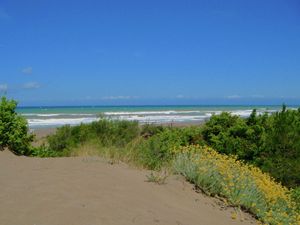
x=150, y=52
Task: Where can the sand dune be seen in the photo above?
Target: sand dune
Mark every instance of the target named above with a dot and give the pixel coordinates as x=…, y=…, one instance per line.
x=90, y=191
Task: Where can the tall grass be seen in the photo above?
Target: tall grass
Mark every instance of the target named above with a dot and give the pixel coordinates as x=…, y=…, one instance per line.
x=148, y=146
x=102, y=134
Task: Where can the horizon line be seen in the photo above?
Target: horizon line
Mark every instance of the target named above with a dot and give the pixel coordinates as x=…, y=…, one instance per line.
x=156, y=105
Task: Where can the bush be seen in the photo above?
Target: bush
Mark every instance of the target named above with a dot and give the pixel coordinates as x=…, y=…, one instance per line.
x=13, y=129
x=148, y=130
x=296, y=197
x=43, y=151
x=271, y=142
x=104, y=132
x=62, y=139
x=280, y=154
x=233, y=135
x=156, y=151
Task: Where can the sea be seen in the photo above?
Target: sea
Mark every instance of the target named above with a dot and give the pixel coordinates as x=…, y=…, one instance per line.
x=47, y=117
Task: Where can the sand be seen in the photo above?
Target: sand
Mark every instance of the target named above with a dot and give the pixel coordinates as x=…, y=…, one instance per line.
x=41, y=135
x=91, y=191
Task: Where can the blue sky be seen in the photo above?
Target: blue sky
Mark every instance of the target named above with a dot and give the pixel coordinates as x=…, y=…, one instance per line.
x=150, y=52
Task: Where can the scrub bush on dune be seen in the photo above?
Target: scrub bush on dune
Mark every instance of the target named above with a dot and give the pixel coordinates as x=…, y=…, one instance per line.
x=268, y=141
x=14, y=133
x=104, y=133
x=241, y=184
x=156, y=151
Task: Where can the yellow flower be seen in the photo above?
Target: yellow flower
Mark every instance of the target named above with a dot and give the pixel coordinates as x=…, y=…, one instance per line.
x=243, y=185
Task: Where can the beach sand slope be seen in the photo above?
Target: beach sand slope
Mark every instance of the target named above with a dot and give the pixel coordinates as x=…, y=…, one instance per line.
x=90, y=191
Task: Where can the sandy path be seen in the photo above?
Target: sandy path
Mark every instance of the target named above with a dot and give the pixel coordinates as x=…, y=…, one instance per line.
x=89, y=191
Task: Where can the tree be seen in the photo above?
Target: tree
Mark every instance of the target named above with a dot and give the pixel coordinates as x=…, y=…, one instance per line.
x=14, y=133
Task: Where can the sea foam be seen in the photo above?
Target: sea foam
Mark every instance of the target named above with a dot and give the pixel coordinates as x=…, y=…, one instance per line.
x=155, y=116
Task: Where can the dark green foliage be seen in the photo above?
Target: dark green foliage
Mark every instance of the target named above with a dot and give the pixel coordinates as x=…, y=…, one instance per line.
x=296, y=197
x=271, y=142
x=233, y=135
x=148, y=130
x=284, y=132
x=281, y=150
x=13, y=129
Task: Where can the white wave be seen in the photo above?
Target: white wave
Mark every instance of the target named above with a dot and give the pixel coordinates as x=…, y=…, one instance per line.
x=247, y=113
x=55, y=114
x=59, y=121
x=43, y=115
x=150, y=113
x=43, y=120
x=210, y=113
x=242, y=113
x=141, y=119
x=162, y=118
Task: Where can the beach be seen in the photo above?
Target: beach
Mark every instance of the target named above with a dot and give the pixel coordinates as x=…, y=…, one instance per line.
x=90, y=191
x=149, y=113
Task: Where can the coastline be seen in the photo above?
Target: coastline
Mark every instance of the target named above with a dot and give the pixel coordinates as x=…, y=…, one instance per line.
x=58, y=116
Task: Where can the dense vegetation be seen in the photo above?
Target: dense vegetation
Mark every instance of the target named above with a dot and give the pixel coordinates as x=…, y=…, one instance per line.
x=271, y=142
x=148, y=146
x=13, y=129
x=241, y=146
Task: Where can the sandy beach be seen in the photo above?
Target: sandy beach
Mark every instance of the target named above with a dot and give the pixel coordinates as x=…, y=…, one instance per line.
x=149, y=112
x=90, y=191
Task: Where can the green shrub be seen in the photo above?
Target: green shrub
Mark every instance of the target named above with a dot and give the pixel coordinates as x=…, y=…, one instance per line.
x=44, y=152
x=271, y=142
x=13, y=129
x=149, y=146
x=156, y=151
x=233, y=135
x=296, y=197
x=104, y=132
x=148, y=130
x=113, y=132
x=62, y=139
x=281, y=151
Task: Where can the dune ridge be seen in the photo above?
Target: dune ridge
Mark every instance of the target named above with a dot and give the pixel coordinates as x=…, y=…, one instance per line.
x=90, y=191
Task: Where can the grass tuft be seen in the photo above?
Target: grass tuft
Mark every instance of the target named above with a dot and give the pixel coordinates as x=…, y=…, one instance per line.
x=158, y=178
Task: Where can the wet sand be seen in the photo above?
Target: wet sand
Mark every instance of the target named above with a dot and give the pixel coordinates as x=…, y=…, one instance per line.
x=90, y=191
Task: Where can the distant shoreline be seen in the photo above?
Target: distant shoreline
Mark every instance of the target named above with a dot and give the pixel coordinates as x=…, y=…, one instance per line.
x=162, y=105
x=166, y=114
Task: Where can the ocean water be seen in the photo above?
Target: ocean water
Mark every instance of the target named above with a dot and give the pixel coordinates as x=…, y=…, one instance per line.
x=40, y=117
